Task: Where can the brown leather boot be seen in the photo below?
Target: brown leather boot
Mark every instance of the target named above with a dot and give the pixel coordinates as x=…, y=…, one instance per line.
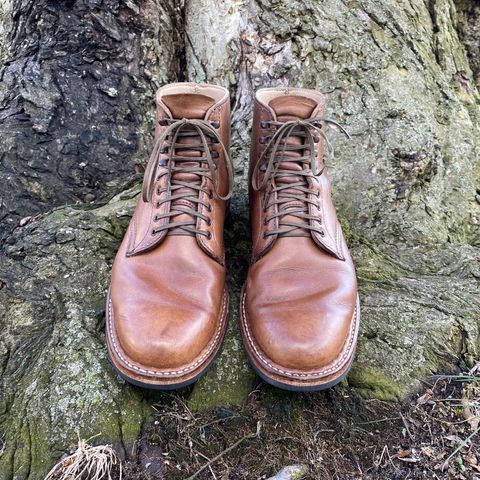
x=167, y=305
x=299, y=307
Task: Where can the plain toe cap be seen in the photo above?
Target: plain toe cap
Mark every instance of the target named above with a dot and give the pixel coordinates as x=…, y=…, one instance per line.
x=299, y=340
x=164, y=340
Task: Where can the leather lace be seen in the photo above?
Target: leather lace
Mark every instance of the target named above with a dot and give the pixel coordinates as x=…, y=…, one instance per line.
x=165, y=160
x=294, y=196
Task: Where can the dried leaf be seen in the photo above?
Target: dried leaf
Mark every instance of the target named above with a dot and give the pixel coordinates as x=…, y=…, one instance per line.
x=454, y=438
x=470, y=459
x=403, y=453
x=425, y=397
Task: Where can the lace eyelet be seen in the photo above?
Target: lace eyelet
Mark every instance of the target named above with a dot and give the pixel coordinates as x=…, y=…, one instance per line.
x=163, y=122
x=265, y=222
x=216, y=124
x=209, y=222
x=154, y=232
x=209, y=235
x=209, y=208
x=210, y=195
x=263, y=124
x=158, y=204
x=264, y=235
x=322, y=233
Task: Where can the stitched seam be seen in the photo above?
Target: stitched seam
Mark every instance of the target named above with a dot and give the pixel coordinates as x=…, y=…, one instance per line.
x=148, y=243
x=339, y=242
x=162, y=372
x=131, y=237
x=335, y=367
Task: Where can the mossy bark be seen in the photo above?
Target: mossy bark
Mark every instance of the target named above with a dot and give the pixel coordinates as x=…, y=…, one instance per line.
x=76, y=116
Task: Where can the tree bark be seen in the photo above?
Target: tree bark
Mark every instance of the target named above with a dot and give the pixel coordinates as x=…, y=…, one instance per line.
x=76, y=97
x=76, y=117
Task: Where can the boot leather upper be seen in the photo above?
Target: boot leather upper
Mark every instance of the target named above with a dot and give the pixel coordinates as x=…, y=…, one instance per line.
x=300, y=300
x=167, y=296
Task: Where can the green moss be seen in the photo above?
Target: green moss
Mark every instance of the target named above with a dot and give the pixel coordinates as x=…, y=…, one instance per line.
x=228, y=382
x=373, y=382
x=374, y=266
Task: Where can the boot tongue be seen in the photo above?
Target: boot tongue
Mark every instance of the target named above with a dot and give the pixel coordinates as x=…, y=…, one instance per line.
x=292, y=107
x=190, y=106
x=287, y=108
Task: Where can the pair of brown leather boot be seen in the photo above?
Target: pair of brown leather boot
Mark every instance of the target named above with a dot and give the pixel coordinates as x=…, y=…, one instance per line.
x=167, y=307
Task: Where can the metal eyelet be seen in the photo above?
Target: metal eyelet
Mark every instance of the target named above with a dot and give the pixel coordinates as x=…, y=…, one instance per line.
x=163, y=122
x=209, y=222
x=263, y=124
x=154, y=232
x=210, y=195
x=209, y=236
x=322, y=233
x=216, y=124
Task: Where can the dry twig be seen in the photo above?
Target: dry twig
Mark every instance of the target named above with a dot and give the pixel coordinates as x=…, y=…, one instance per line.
x=229, y=449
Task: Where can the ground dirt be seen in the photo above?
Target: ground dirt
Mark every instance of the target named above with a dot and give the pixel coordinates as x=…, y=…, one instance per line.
x=336, y=433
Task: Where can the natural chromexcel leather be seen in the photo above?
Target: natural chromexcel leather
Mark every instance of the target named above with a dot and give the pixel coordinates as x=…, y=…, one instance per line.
x=299, y=308
x=168, y=304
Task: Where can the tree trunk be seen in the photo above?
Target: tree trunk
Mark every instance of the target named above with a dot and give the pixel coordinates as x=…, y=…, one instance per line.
x=76, y=111
x=76, y=97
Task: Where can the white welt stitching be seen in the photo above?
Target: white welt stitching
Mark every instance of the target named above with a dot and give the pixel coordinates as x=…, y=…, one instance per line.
x=161, y=372
x=335, y=367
